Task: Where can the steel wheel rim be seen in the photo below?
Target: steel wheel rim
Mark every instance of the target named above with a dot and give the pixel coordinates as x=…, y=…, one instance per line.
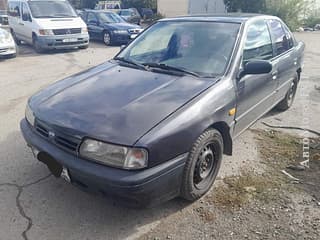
x=107, y=38
x=205, y=166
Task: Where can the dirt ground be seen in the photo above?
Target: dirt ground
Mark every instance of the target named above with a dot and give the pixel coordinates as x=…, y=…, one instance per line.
x=252, y=198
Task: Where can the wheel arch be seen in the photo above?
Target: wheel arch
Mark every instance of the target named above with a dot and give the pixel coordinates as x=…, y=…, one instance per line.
x=224, y=130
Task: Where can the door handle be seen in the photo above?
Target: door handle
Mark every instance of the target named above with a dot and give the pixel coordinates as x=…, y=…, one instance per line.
x=21, y=24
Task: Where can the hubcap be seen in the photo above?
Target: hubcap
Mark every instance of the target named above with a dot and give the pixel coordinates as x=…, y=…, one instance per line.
x=204, y=167
x=106, y=38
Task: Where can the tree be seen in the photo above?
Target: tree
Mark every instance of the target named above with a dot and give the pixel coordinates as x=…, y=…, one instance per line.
x=247, y=6
x=290, y=11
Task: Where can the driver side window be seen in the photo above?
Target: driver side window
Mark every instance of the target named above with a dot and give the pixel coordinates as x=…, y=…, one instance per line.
x=258, y=44
x=91, y=18
x=25, y=13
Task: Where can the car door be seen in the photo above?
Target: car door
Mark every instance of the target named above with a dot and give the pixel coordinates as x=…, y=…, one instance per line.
x=255, y=93
x=285, y=60
x=26, y=23
x=14, y=17
x=93, y=26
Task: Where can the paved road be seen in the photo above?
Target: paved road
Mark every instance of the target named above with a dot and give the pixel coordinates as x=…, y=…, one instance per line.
x=35, y=205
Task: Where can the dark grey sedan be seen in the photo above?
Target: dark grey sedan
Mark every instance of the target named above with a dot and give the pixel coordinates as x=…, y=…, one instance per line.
x=153, y=123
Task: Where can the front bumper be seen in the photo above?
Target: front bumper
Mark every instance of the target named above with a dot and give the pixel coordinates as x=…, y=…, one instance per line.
x=7, y=49
x=135, y=188
x=59, y=41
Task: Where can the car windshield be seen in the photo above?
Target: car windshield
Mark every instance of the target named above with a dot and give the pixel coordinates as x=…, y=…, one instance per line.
x=203, y=48
x=51, y=9
x=126, y=13
x=109, y=17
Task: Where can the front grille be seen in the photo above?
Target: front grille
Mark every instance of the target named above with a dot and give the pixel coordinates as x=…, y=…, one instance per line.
x=62, y=140
x=66, y=31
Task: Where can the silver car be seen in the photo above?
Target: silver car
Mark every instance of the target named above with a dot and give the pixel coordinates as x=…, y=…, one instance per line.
x=7, y=44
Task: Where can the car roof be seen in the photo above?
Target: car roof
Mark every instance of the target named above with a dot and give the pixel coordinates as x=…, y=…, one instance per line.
x=97, y=10
x=229, y=17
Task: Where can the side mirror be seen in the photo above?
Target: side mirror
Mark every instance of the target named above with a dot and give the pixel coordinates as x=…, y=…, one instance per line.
x=256, y=67
x=93, y=22
x=26, y=17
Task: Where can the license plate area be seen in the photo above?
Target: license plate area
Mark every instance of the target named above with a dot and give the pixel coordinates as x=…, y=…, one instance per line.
x=68, y=40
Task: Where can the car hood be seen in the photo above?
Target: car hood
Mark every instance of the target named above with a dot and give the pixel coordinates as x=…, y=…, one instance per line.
x=114, y=103
x=60, y=23
x=121, y=26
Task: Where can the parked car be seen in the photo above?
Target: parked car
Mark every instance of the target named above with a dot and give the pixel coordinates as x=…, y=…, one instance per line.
x=3, y=17
x=7, y=44
x=153, y=123
x=146, y=13
x=47, y=24
x=130, y=15
x=109, y=27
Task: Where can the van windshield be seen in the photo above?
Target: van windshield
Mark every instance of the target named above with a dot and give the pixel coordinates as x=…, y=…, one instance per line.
x=51, y=9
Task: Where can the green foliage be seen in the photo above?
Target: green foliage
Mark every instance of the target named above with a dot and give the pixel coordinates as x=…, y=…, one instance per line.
x=288, y=10
x=311, y=21
x=139, y=4
x=247, y=6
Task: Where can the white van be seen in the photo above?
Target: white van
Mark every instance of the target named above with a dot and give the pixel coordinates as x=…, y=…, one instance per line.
x=47, y=24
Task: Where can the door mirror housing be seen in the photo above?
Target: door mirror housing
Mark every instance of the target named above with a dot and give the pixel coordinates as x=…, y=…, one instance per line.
x=26, y=17
x=256, y=67
x=94, y=22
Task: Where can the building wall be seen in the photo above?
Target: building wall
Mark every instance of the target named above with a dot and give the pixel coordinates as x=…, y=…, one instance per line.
x=171, y=8
x=3, y=4
x=206, y=6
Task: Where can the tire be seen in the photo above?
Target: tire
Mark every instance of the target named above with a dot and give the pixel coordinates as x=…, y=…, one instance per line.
x=17, y=41
x=107, y=39
x=84, y=47
x=288, y=100
x=202, y=166
x=36, y=45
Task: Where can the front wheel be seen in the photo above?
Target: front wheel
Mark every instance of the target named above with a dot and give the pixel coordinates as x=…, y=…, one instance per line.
x=17, y=41
x=202, y=166
x=107, y=38
x=288, y=100
x=37, y=45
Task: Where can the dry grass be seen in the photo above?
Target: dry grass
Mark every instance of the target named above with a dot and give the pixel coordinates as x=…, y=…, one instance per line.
x=277, y=151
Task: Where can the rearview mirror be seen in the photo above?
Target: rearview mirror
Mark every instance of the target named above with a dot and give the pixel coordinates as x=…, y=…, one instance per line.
x=257, y=67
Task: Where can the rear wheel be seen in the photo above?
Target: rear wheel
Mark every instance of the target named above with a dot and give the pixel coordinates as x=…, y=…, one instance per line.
x=18, y=42
x=288, y=100
x=202, y=166
x=107, y=38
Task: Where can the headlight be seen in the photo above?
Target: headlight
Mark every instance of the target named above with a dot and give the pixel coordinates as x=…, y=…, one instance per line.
x=46, y=32
x=120, y=31
x=113, y=155
x=6, y=37
x=84, y=30
x=30, y=115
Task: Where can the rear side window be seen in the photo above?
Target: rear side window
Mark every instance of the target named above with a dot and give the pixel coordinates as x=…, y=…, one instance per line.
x=14, y=9
x=258, y=44
x=283, y=40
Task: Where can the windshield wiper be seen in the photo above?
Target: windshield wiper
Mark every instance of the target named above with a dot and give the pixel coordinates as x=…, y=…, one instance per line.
x=122, y=59
x=170, y=68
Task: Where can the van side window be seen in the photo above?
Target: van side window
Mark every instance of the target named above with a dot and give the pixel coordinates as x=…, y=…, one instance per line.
x=25, y=12
x=258, y=44
x=14, y=9
x=280, y=38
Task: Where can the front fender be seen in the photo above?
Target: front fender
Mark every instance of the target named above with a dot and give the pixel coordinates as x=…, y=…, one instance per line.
x=176, y=134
